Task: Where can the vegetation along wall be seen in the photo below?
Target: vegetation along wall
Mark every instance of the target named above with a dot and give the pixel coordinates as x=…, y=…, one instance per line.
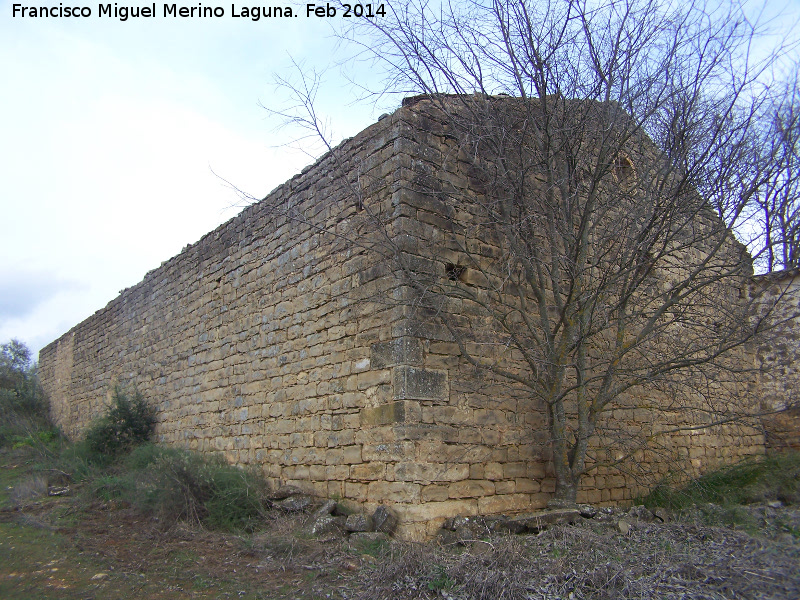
x=288, y=339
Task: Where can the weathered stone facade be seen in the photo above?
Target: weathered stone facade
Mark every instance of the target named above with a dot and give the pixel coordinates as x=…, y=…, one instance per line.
x=779, y=370
x=277, y=341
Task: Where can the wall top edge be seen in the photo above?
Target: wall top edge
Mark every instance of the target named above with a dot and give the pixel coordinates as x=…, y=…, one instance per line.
x=777, y=275
x=307, y=174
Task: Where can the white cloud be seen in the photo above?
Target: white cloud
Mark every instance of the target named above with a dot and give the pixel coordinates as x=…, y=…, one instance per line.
x=110, y=134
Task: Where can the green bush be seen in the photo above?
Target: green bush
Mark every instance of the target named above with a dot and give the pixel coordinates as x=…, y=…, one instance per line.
x=237, y=499
x=82, y=462
x=146, y=455
x=178, y=485
x=111, y=487
x=128, y=422
x=23, y=408
x=25, y=398
x=47, y=437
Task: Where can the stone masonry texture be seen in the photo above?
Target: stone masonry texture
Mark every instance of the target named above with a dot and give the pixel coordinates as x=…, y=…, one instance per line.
x=271, y=342
x=779, y=367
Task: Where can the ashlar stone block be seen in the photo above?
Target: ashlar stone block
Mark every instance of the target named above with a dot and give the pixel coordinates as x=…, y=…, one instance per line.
x=414, y=383
x=392, y=413
x=400, y=351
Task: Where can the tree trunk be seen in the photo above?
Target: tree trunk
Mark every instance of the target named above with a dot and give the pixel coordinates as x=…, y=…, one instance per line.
x=566, y=492
x=566, y=481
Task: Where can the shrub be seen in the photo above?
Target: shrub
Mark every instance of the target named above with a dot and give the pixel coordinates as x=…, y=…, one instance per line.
x=111, y=487
x=180, y=485
x=237, y=499
x=46, y=437
x=146, y=455
x=128, y=422
x=82, y=462
x=23, y=408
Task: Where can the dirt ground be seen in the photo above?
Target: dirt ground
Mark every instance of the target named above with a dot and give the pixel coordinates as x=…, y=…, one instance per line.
x=59, y=547
x=50, y=550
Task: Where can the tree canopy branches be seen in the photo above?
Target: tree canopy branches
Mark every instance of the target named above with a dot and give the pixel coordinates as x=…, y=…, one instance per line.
x=613, y=152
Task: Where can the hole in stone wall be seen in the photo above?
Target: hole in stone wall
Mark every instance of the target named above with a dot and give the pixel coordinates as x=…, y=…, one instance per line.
x=454, y=272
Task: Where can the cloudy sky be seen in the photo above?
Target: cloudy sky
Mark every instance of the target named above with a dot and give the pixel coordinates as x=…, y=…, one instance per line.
x=111, y=134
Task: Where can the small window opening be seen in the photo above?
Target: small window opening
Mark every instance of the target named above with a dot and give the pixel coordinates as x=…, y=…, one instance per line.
x=454, y=272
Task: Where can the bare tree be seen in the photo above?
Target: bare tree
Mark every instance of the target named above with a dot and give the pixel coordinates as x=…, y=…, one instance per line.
x=777, y=203
x=592, y=262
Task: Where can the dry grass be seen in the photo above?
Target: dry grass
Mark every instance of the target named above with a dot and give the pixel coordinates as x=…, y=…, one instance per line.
x=713, y=551
x=594, y=561
x=28, y=489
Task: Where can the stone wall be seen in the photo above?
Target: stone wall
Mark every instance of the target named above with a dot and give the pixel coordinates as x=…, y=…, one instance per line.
x=492, y=437
x=253, y=342
x=279, y=342
x=779, y=368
